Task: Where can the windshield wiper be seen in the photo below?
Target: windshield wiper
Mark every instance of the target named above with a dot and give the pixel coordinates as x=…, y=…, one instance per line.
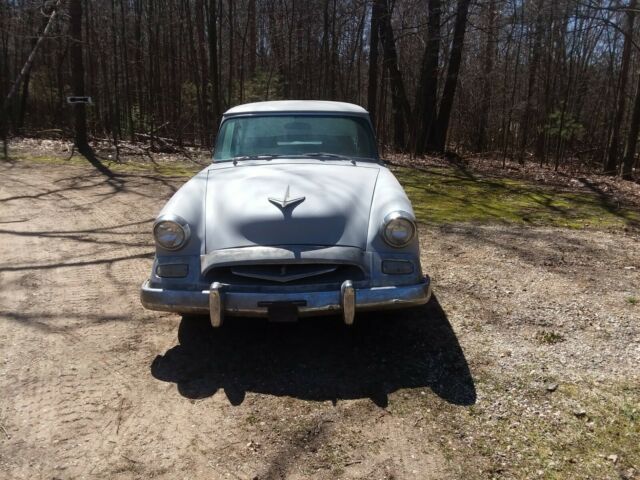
x=328, y=155
x=324, y=154
x=253, y=157
x=335, y=156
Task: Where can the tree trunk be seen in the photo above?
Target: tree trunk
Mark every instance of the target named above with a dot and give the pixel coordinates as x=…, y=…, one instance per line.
x=231, y=14
x=399, y=102
x=115, y=128
x=127, y=73
x=611, y=163
x=205, y=134
x=326, y=87
x=507, y=137
x=533, y=74
x=487, y=81
x=26, y=69
x=632, y=138
x=253, y=38
x=333, y=61
x=77, y=74
x=427, y=95
x=446, y=104
x=24, y=101
x=372, y=92
x=213, y=59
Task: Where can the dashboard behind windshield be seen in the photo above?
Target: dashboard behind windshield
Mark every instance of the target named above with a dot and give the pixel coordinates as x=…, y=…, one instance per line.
x=295, y=135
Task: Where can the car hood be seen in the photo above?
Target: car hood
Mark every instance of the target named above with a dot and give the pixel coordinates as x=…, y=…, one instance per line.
x=331, y=204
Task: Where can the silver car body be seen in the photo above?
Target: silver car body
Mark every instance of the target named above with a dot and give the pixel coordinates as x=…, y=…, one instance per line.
x=292, y=233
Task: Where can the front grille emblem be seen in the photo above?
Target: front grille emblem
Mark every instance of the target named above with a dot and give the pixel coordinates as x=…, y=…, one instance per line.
x=285, y=201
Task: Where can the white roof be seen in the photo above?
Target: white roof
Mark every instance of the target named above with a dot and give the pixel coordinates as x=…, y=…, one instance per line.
x=297, y=106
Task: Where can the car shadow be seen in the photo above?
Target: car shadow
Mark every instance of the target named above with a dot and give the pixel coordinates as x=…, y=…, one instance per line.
x=320, y=358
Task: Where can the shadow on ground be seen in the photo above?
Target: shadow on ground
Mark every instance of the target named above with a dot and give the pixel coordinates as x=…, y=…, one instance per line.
x=320, y=359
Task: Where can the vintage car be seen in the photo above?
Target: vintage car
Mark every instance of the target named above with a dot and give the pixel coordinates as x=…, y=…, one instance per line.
x=297, y=215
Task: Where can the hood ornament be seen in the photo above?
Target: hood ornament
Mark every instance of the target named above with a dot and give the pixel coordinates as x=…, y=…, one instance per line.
x=286, y=201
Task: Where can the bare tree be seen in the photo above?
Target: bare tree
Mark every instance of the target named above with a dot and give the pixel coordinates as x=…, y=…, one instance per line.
x=521, y=77
x=374, y=31
x=632, y=138
x=213, y=58
x=399, y=101
x=533, y=77
x=451, y=82
x=487, y=73
x=611, y=163
x=427, y=95
x=24, y=72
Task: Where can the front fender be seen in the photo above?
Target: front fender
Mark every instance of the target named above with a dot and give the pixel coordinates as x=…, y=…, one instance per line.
x=389, y=196
x=188, y=203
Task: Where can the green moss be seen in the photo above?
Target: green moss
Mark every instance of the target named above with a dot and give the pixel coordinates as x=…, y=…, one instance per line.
x=537, y=434
x=549, y=337
x=610, y=427
x=442, y=195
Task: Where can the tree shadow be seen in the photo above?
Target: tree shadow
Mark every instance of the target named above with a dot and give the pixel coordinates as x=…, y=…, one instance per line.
x=320, y=358
x=605, y=199
x=124, y=233
x=112, y=178
x=78, y=263
x=555, y=250
x=102, y=187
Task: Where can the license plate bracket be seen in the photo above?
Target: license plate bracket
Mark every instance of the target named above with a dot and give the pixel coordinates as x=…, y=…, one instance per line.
x=282, y=312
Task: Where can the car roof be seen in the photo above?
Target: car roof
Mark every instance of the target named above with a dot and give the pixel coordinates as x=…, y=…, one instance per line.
x=296, y=106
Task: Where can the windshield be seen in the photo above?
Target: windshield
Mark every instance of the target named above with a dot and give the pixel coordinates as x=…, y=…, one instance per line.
x=269, y=136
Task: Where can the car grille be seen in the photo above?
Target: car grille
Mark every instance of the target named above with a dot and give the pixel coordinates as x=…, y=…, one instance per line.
x=285, y=274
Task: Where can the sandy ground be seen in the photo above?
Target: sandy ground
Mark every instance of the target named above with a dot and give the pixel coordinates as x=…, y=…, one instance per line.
x=94, y=386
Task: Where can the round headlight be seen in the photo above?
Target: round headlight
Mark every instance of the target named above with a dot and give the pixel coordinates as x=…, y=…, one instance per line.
x=170, y=234
x=398, y=230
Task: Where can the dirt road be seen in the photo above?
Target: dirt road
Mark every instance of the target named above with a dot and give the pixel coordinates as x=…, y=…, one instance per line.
x=524, y=365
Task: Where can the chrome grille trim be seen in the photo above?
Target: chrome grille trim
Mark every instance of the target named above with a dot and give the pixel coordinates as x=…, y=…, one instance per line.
x=286, y=254
x=279, y=272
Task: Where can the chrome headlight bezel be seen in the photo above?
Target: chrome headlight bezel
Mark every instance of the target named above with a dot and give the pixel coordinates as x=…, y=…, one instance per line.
x=395, y=217
x=176, y=220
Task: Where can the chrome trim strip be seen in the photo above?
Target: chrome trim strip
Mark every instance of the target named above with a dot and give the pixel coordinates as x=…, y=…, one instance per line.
x=283, y=278
x=274, y=255
x=317, y=303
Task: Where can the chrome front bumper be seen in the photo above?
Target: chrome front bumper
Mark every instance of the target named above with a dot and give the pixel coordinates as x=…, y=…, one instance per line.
x=218, y=301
